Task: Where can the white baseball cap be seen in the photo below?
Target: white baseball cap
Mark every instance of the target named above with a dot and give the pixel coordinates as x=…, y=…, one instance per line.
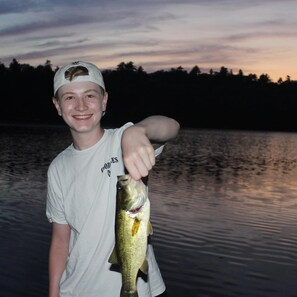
x=94, y=75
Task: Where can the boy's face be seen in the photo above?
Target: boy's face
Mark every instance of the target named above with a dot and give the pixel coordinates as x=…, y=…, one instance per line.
x=81, y=105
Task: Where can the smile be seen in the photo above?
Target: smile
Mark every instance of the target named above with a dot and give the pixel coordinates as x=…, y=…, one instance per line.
x=82, y=117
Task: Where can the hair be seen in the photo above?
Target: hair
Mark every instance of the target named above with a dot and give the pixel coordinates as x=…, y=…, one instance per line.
x=75, y=71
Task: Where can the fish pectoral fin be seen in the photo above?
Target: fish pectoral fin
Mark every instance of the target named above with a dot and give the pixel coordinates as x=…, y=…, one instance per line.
x=144, y=267
x=135, y=227
x=113, y=259
x=149, y=228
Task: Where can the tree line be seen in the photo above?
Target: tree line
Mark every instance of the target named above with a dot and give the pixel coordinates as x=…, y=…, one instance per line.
x=218, y=99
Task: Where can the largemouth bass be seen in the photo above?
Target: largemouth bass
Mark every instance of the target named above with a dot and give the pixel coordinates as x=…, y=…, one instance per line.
x=132, y=228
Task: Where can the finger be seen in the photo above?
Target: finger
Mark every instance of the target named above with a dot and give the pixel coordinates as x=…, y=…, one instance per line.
x=134, y=173
x=147, y=156
x=151, y=154
x=137, y=169
x=132, y=169
x=142, y=169
x=140, y=163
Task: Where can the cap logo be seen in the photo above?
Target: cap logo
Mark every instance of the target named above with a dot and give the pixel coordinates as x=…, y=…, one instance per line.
x=75, y=71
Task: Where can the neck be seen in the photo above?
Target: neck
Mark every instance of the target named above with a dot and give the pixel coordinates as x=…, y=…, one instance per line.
x=82, y=141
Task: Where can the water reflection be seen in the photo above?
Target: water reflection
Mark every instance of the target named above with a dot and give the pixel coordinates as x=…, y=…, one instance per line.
x=223, y=211
x=233, y=194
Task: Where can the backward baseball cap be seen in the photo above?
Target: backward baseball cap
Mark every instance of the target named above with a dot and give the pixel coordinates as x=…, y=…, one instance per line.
x=94, y=75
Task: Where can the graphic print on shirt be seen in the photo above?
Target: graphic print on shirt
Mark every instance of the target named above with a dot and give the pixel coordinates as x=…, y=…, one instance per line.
x=107, y=166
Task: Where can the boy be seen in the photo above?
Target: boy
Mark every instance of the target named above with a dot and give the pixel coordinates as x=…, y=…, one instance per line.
x=82, y=186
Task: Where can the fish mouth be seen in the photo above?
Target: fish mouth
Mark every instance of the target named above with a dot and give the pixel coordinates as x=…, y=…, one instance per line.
x=136, y=194
x=136, y=210
x=124, y=179
x=137, y=205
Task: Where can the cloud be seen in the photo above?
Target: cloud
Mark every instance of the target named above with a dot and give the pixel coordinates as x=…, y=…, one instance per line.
x=152, y=33
x=79, y=17
x=14, y=6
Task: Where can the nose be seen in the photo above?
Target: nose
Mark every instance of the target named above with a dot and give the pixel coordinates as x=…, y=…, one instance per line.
x=81, y=104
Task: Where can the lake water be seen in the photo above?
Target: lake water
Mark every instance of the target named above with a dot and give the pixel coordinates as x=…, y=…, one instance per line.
x=224, y=212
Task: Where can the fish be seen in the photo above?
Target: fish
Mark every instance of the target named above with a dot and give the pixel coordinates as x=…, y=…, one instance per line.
x=132, y=228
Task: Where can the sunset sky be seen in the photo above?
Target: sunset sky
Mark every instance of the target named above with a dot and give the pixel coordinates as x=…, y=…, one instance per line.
x=257, y=36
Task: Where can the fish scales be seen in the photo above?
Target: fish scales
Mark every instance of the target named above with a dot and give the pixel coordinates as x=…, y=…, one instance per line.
x=132, y=228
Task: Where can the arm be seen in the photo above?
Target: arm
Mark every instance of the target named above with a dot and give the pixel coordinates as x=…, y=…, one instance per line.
x=138, y=152
x=58, y=256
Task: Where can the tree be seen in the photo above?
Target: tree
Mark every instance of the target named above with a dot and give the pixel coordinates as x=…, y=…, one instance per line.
x=15, y=66
x=252, y=77
x=178, y=69
x=264, y=79
x=126, y=66
x=195, y=71
x=140, y=69
x=223, y=71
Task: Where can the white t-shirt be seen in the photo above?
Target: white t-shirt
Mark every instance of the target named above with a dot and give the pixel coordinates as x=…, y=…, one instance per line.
x=82, y=194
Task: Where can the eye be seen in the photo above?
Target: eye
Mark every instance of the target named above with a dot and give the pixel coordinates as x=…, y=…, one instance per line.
x=91, y=95
x=69, y=98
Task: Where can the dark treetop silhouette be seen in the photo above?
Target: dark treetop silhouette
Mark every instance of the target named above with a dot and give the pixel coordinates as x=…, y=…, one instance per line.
x=200, y=100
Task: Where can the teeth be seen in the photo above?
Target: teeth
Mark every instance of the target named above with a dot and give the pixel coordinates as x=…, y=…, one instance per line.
x=82, y=117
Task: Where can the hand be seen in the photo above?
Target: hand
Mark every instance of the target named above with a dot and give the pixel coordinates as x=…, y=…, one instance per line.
x=138, y=153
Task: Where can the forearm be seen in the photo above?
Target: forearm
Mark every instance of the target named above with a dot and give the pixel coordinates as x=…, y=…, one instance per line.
x=159, y=128
x=57, y=263
x=58, y=257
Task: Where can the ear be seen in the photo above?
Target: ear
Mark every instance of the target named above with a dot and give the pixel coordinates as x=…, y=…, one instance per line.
x=57, y=106
x=104, y=101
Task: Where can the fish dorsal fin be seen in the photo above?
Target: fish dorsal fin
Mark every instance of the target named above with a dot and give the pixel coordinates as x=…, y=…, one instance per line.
x=144, y=267
x=113, y=259
x=135, y=227
x=149, y=228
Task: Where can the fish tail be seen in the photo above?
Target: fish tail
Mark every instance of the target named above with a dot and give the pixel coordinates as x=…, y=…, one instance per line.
x=125, y=293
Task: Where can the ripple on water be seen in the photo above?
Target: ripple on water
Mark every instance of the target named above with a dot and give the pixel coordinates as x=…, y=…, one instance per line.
x=223, y=213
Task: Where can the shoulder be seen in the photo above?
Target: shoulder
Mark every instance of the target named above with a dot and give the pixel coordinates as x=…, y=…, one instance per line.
x=60, y=159
x=122, y=128
x=117, y=132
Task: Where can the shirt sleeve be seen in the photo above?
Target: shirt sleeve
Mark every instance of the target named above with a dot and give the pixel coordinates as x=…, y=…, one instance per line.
x=158, y=150
x=54, y=203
